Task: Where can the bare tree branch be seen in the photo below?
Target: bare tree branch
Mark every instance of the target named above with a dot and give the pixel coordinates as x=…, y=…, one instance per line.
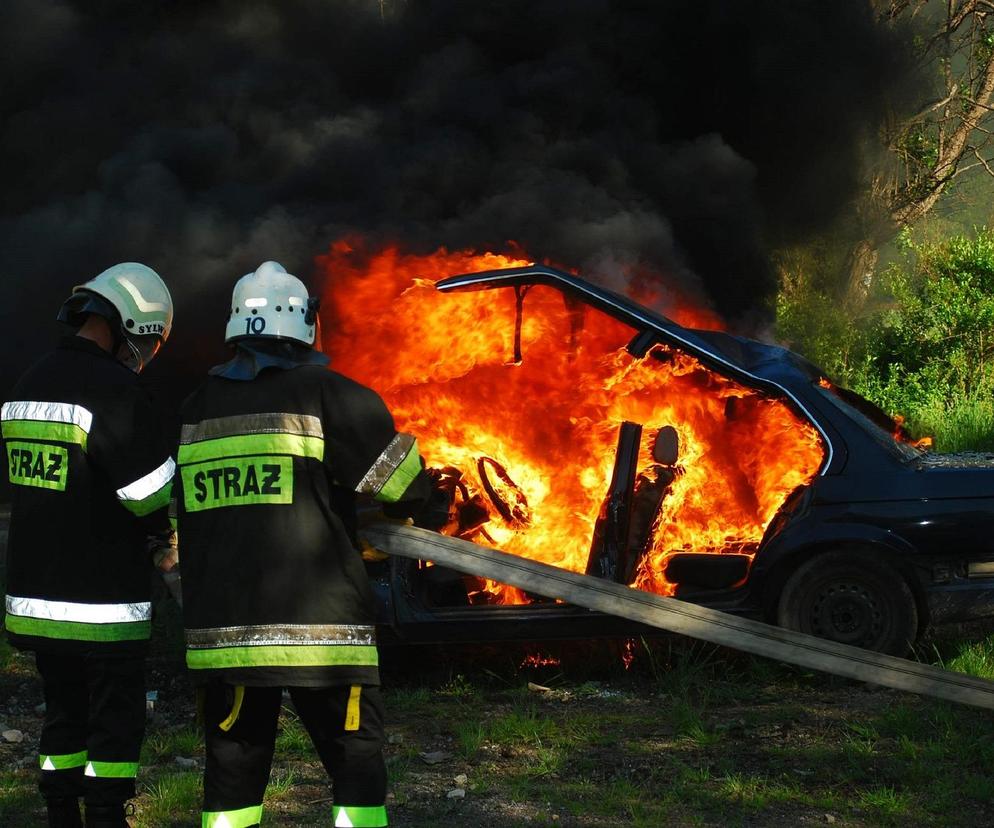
x=929, y=108
x=957, y=18
x=951, y=149
x=947, y=137
x=981, y=162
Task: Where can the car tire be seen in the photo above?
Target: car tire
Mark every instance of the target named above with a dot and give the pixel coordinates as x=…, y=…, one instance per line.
x=851, y=598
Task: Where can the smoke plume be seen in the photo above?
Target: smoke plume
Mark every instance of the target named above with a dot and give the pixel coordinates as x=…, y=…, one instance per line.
x=203, y=138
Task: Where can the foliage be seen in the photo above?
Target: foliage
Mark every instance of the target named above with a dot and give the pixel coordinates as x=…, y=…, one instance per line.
x=924, y=349
x=934, y=339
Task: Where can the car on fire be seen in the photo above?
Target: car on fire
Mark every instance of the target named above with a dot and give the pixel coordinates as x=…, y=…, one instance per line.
x=871, y=542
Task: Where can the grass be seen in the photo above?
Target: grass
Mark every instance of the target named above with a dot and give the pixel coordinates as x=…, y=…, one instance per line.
x=173, y=799
x=17, y=796
x=292, y=739
x=165, y=745
x=975, y=658
x=705, y=736
x=688, y=736
x=966, y=424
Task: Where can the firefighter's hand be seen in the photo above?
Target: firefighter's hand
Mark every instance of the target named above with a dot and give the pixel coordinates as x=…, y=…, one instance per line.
x=165, y=551
x=370, y=553
x=435, y=513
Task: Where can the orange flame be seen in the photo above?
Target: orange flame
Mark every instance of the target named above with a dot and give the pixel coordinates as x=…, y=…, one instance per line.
x=901, y=433
x=538, y=660
x=543, y=430
x=897, y=428
x=628, y=653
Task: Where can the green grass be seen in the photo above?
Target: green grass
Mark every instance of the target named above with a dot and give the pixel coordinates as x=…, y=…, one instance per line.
x=470, y=737
x=165, y=745
x=18, y=796
x=743, y=744
x=281, y=783
x=975, y=658
x=172, y=799
x=292, y=739
x=965, y=424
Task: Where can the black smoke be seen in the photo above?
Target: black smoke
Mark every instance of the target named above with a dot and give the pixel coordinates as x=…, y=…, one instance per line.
x=202, y=138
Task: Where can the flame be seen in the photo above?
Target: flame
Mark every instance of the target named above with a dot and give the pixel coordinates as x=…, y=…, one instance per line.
x=628, y=653
x=538, y=660
x=901, y=433
x=530, y=419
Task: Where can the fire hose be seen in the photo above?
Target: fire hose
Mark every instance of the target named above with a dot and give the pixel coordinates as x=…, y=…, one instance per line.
x=678, y=616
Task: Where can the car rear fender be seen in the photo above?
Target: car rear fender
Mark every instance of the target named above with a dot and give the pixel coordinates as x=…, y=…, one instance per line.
x=777, y=562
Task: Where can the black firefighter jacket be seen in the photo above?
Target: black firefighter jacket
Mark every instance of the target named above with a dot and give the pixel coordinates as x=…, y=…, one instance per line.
x=274, y=590
x=90, y=476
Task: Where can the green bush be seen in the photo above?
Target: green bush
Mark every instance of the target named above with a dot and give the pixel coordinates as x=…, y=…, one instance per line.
x=925, y=350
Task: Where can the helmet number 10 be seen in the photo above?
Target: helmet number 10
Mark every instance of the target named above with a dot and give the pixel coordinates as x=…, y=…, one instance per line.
x=255, y=325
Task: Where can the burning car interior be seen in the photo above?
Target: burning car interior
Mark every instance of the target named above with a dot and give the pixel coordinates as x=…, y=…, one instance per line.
x=567, y=435
x=572, y=426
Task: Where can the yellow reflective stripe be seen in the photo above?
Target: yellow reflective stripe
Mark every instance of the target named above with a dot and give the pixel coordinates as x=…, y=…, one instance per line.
x=62, y=761
x=36, y=430
x=352, y=708
x=296, y=444
x=239, y=818
x=402, y=477
x=359, y=816
x=111, y=770
x=76, y=631
x=300, y=655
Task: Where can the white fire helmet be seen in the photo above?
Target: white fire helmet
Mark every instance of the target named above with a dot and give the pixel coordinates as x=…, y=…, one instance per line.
x=270, y=303
x=141, y=300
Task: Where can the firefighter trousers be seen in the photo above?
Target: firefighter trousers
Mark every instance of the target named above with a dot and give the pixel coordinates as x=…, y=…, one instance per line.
x=94, y=725
x=345, y=725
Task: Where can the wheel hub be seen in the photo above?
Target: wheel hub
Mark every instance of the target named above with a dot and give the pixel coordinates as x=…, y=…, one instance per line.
x=848, y=612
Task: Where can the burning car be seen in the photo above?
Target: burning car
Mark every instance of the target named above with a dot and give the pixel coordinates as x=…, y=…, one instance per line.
x=573, y=425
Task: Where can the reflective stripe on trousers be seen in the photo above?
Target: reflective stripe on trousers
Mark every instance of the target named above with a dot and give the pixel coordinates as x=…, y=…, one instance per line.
x=359, y=816
x=239, y=818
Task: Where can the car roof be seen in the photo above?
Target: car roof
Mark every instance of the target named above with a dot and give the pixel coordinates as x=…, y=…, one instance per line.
x=726, y=352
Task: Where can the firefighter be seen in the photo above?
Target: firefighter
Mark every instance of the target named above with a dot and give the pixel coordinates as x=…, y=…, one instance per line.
x=274, y=450
x=90, y=476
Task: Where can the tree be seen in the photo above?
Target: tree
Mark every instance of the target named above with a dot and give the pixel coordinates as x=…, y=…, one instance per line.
x=947, y=136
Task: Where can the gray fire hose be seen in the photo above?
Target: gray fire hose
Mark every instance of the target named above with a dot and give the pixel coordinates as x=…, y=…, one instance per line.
x=681, y=617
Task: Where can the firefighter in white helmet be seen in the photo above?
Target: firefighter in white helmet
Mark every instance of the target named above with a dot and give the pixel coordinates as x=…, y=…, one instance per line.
x=90, y=475
x=275, y=448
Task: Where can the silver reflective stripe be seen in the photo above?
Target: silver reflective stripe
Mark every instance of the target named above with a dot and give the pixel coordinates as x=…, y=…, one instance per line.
x=49, y=412
x=150, y=483
x=306, y=425
x=264, y=634
x=385, y=465
x=83, y=613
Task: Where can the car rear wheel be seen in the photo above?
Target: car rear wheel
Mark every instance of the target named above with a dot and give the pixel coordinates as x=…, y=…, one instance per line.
x=853, y=599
